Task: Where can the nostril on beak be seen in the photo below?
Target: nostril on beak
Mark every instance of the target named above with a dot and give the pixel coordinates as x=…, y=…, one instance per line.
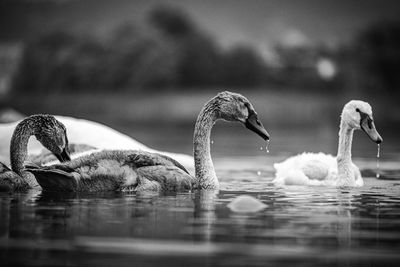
x=379, y=140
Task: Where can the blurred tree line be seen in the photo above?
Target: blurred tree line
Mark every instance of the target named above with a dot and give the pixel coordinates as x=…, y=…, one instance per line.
x=171, y=52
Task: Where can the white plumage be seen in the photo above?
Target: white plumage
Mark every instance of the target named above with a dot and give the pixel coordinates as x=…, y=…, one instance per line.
x=316, y=169
x=320, y=169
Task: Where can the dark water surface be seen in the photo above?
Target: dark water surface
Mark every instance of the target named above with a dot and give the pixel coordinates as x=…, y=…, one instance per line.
x=300, y=225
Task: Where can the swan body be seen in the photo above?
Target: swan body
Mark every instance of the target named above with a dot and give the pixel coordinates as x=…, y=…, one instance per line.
x=116, y=170
x=320, y=169
x=136, y=170
x=90, y=133
x=50, y=133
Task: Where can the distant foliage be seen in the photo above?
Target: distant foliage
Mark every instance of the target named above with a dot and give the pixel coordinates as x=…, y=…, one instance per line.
x=63, y=61
x=377, y=50
x=170, y=52
x=172, y=21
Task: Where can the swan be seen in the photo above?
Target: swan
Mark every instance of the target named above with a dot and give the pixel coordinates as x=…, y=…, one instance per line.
x=50, y=132
x=89, y=133
x=326, y=170
x=141, y=170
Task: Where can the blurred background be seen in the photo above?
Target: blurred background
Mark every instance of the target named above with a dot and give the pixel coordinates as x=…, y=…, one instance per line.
x=147, y=67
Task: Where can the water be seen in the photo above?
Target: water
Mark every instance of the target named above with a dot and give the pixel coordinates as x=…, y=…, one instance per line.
x=266, y=147
x=377, y=161
x=299, y=225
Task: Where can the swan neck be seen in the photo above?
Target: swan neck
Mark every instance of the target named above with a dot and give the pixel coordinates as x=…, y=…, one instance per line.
x=344, y=153
x=204, y=167
x=19, y=144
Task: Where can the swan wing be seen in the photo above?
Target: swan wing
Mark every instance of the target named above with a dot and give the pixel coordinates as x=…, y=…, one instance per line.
x=97, y=135
x=359, y=181
x=164, y=178
x=54, y=180
x=315, y=169
x=305, y=169
x=108, y=171
x=107, y=175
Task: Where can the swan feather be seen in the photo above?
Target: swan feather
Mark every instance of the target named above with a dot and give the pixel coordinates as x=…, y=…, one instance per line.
x=115, y=170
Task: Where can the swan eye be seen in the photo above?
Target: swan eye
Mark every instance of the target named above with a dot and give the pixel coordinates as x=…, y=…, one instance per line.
x=357, y=109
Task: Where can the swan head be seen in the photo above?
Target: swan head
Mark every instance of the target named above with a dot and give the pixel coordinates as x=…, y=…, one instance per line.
x=52, y=134
x=235, y=107
x=358, y=115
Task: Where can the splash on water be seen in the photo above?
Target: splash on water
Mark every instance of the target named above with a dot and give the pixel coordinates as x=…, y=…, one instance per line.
x=378, y=154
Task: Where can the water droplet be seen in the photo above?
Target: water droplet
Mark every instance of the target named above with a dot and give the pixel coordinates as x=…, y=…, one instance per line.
x=212, y=142
x=266, y=147
x=379, y=151
x=377, y=161
x=261, y=148
x=259, y=173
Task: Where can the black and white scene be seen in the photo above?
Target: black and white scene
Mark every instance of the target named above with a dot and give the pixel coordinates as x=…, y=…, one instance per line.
x=199, y=133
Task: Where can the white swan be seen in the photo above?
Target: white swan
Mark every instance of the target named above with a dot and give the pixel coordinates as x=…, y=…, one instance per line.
x=321, y=169
x=81, y=131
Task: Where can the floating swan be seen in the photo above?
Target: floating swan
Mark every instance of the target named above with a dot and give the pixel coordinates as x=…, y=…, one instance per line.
x=140, y=170
x=322, y=169
x=88, y=133
x=50, y=132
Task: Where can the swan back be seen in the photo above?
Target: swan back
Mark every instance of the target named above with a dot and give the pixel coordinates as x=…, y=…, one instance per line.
x=306, y=169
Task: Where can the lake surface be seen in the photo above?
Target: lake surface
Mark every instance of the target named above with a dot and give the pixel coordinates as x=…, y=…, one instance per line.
x=300, y=225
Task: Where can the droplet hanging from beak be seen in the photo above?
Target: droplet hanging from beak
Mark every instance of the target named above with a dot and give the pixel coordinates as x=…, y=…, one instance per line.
x=266, y=147
x=377, y=161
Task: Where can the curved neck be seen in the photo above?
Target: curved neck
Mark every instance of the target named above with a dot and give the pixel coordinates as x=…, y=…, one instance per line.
x=343, y=158
x=19, y=144
x=204, y=167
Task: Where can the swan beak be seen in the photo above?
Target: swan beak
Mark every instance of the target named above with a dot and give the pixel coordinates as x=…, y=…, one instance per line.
x=64, y=155
x=252, y=123
x=368, y=126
